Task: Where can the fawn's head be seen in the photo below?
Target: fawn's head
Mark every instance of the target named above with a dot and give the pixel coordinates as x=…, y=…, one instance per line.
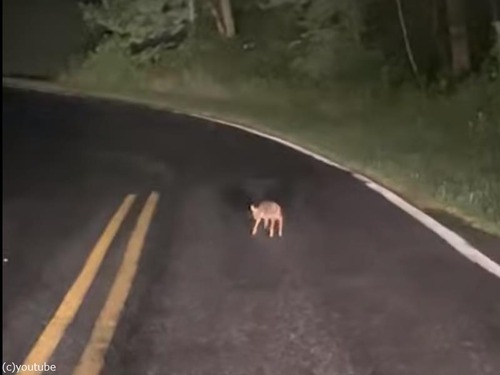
x=253, y=210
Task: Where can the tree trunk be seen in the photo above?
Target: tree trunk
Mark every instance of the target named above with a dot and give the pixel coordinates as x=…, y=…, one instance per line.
x=406, y=40
x=227, y=16
x=214, y=9
x=440, y=35
x=192, y=11
x=496, y=26
x=495, y=10
x=459, y=44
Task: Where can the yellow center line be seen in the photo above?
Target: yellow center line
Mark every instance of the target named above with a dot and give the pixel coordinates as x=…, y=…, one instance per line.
x=92, y=359
x=53, y=332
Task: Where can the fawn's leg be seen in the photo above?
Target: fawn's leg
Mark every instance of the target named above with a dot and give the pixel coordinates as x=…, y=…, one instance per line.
x=254, y=230
x=271, y=230
x=280, y=228
x=266, y=223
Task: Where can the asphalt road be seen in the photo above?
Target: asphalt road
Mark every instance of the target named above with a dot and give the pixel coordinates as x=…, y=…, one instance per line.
x=354, y=286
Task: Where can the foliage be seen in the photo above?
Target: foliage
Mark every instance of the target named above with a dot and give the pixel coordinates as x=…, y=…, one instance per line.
x=334, y=75
x=139, y=26
x=331, y=39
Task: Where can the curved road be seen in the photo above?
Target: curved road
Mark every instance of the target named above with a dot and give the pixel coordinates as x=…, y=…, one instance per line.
x=354, y=286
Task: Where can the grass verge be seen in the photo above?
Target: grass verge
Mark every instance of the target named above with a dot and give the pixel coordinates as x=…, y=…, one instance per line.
x=441, y=153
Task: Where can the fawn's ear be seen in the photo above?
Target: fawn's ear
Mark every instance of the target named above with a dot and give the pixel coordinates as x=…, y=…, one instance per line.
x=252, y=208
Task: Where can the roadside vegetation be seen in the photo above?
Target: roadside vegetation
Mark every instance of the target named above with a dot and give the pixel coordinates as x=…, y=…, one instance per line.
x=405, y=91
x=39, y=36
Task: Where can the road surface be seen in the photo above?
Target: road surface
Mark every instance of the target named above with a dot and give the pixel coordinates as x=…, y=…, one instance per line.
x=127, y=250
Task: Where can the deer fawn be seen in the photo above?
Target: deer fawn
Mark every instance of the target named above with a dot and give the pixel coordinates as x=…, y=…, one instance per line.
x=270, y=213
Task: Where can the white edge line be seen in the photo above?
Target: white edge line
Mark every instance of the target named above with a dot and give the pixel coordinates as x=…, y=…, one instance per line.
x=452, y=238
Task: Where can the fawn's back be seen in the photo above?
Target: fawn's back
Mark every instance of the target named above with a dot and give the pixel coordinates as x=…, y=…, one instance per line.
x=267, y=209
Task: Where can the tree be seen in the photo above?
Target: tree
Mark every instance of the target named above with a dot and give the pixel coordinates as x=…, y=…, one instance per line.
x=227, y=16
x=459, y=44
x=139, y=25
x=439, y=32
x=223, y=15
x=192, y=11
x=409, y=50
x=495, y=10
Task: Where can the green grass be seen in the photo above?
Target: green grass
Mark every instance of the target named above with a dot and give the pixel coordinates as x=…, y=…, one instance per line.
x=441, y=153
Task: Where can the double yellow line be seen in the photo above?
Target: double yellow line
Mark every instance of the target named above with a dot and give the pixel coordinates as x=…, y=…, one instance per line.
x=92, y=359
